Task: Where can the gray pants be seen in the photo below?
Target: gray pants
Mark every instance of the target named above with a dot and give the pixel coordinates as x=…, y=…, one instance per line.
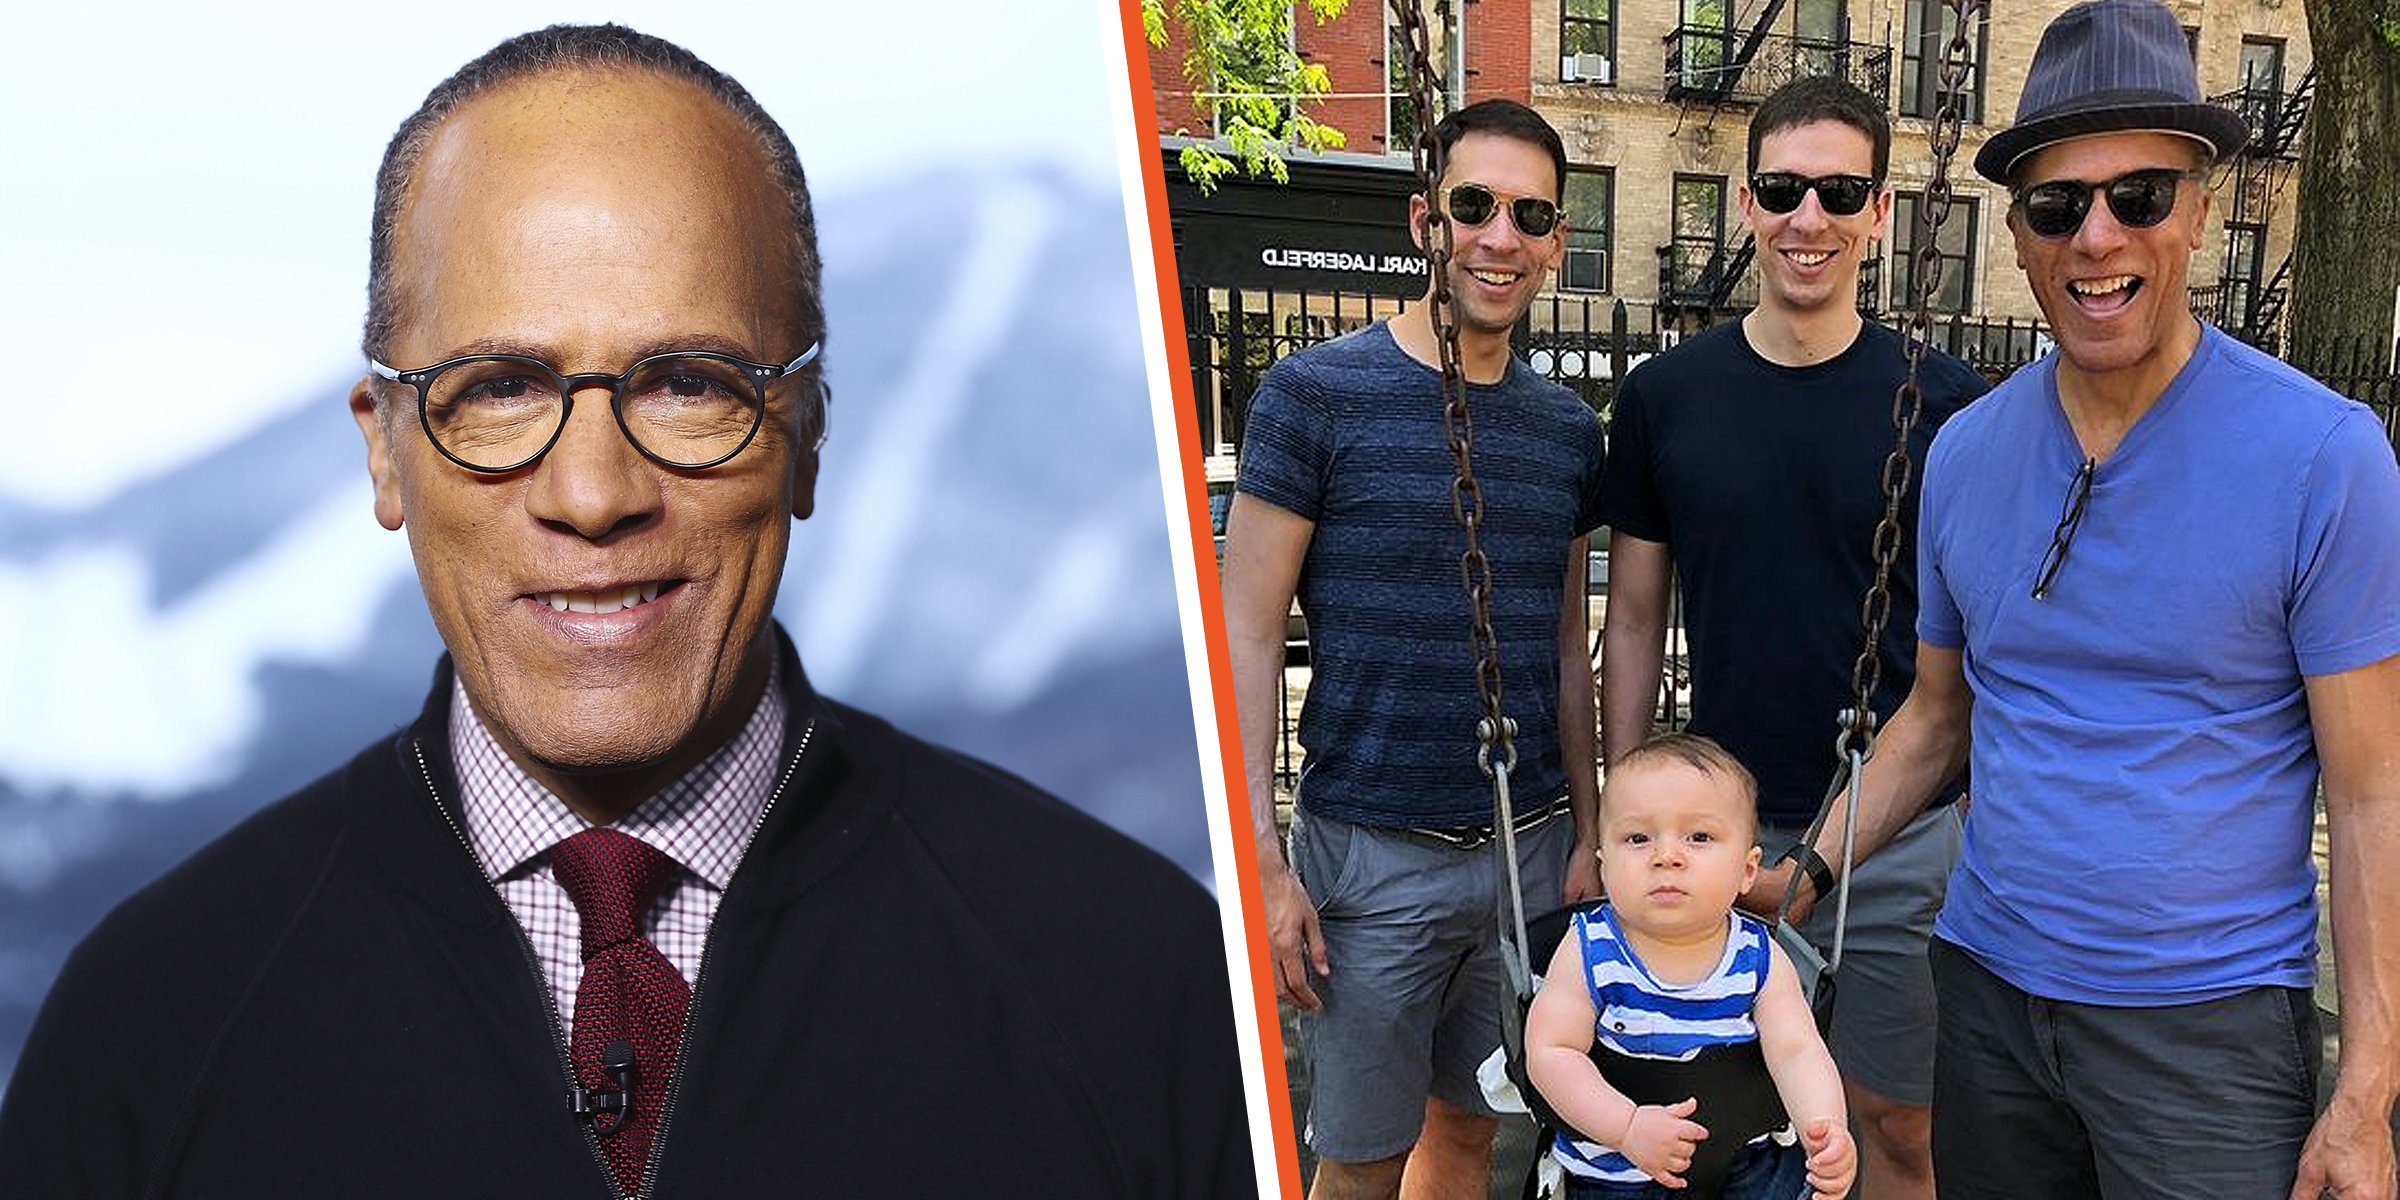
x=2037, y=1097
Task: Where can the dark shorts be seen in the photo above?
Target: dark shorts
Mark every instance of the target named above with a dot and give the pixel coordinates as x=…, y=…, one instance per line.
x=1771, y=1172
x=2037, y=1097
x=1412, y=1005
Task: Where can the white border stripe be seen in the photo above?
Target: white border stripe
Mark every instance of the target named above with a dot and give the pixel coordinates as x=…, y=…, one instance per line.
x=1187, y=590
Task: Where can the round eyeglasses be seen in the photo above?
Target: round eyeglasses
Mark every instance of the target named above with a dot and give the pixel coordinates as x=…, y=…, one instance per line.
x=687, y=409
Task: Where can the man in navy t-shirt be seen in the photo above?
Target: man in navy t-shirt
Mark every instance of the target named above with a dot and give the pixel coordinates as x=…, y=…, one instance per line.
x=1382, y=919
x=1747, y=464
x=2161, y=603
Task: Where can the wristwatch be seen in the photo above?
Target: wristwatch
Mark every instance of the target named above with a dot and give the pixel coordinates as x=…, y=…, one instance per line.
x=1819, y=872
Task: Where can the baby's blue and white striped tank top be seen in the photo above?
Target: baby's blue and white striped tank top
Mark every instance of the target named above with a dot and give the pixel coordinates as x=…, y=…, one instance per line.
x=1643, y=1017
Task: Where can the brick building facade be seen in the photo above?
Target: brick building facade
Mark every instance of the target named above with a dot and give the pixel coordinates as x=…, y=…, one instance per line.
x=1654, y=99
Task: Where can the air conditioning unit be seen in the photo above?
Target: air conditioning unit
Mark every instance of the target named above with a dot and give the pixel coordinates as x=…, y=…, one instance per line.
x=1584, y=270
x=1585, y=68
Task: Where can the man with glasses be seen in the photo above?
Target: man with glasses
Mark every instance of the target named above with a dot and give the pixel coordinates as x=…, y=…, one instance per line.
x=630, y=910
x=1747, y=468
x=2161, y=603
x=1382, y=921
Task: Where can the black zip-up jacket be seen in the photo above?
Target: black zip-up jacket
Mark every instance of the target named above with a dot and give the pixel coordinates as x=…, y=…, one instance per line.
x=927, y=977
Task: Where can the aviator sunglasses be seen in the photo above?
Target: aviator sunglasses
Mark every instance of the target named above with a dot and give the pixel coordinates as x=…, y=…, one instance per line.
x=1471, y=204
x=1782, y=191
x=2138, y=199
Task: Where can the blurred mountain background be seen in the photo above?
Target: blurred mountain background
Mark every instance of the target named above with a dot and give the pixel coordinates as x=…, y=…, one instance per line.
x=190, y=636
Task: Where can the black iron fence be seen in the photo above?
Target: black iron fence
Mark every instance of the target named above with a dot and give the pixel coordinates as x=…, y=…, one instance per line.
x=2364, y=368
x=1588, y=343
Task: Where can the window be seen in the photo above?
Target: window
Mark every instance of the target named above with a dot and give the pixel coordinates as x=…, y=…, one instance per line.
x=1700, y=207
x=2261, y=103
x=1928, y=27
x=2191, y=37
x=1957, y=241
x=2245, y=260
x=1819, y=29
x=1703, y=44
x=1248, y=60
x=1817, y=20
x=2262, y=64
x=1591, y=207
x=1587, y=41
x=1699, y=233
x=1399, y=107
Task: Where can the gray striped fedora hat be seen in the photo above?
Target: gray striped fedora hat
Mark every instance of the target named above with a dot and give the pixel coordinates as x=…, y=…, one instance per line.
x=2105, y=67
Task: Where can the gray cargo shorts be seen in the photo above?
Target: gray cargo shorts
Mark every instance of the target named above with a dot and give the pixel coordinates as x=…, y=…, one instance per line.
x=1883, y=1008
x=1412, y=1004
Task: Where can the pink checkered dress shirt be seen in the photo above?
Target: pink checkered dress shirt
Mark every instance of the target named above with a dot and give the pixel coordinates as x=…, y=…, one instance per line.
x=703, y=821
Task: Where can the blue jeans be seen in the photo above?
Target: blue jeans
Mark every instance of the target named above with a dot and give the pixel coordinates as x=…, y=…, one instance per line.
x=1771, y=1172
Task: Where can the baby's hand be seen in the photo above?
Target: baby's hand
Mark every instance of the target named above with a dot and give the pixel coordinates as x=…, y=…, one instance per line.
x=1832, y=1159
x=1659, y=1140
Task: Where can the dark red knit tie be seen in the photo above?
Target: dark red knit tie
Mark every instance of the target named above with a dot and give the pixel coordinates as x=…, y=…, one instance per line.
x=630, y=993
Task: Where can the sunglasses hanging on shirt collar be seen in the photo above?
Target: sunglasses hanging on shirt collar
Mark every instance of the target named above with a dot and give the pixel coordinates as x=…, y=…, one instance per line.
x=1472, y=204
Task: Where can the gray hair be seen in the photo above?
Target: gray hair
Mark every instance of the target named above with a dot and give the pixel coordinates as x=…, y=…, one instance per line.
x=584, y=47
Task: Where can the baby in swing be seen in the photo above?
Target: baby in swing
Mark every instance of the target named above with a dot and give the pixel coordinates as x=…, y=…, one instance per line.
x=1667, y=970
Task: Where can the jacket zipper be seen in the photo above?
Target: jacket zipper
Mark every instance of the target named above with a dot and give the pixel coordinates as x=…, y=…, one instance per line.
x=683, y=1045
x=558, y=1037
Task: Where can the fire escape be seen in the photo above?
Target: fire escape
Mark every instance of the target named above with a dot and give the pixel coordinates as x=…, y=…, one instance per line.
x=2242, y=303
x=1714, y=68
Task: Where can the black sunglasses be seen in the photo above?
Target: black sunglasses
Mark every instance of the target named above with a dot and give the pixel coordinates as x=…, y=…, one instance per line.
x=2070, y=519
x=2138, y=199
x=1471, y=204
x=1782, y=191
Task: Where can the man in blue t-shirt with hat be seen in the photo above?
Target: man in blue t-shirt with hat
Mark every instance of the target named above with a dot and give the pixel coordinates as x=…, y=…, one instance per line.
x=2160, y=572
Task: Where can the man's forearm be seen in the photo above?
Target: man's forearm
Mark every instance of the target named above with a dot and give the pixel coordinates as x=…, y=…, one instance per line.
x=1255, y=658
x=2363, y=836
x=1576, y=745
x=1632, y=654
x=1577, y=706
x=1633, y=644
x=1924, y=747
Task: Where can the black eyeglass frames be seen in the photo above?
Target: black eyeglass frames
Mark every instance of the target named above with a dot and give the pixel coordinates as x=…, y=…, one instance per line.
x=1471, y=204
x=686, y=409
x=2138, y=199
x=1782, y=191
x=2079, y=496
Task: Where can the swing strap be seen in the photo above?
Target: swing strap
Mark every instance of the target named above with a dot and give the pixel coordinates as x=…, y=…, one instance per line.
x=1738, y=1101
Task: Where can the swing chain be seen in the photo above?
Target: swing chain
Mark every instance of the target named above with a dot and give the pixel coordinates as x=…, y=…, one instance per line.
x=1908, y=402
x=1494, y=732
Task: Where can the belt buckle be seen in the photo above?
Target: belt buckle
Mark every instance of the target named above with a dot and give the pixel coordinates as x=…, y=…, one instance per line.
x=1457, y=837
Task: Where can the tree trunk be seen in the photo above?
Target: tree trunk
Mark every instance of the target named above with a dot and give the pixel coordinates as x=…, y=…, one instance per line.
x=2346, y=256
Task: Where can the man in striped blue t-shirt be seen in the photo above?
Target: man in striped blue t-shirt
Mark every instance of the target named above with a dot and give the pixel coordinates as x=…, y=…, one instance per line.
x=1382, y=919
